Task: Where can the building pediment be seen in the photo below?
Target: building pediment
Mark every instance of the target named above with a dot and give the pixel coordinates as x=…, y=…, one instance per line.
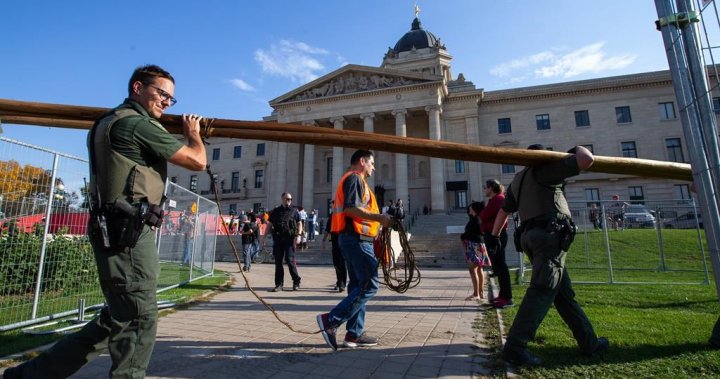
x=353, y=79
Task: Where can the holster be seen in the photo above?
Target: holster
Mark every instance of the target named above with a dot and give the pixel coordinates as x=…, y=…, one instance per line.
x=566, y=229
x=125, y=224
x=119, y=225
x=519, y=229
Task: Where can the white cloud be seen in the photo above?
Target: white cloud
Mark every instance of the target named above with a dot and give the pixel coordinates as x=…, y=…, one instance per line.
x=241, y=84
x=549, y=64
x=506, y=69
x=295, y=60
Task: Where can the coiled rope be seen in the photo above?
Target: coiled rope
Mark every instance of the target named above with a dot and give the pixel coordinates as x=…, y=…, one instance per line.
x=397, y=276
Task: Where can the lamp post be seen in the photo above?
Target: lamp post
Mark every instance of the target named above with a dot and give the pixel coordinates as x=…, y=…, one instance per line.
x=59, y=196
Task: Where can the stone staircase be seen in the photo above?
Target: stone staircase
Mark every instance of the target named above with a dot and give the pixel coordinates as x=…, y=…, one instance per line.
x=435, y=240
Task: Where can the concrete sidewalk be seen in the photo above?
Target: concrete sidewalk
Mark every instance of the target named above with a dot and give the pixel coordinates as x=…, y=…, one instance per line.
x=424, y=333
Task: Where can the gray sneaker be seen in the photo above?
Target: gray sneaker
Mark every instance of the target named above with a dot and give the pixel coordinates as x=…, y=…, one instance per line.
x=328, y=332
x=363, y=340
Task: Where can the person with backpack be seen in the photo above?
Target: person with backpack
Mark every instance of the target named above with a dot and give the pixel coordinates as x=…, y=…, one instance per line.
x=286, y=226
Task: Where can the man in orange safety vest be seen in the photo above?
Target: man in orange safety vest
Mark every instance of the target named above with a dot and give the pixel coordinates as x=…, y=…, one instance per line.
x=357, y=220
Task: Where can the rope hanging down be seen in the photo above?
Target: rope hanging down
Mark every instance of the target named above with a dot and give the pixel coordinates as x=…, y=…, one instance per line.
x=267, y=305
x=409, y=278
x=395, y=279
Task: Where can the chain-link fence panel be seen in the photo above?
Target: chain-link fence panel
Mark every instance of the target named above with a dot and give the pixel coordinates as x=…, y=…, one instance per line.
x=46, y=263
x=47, y=267
x=633, y=242
x=187, y=239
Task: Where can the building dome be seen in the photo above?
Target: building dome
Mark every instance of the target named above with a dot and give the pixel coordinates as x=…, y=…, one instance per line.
x=417, y=38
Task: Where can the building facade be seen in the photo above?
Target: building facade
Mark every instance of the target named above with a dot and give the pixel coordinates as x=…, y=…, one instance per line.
x=413, y=93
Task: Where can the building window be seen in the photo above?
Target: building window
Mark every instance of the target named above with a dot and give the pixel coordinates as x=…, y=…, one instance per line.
x=542, y=121
x=667, y=111
x=592, y=195
x=636, y=194
x=260, y=150
x=716, y=104
x=589, y=147
x=193, y=183
x=682, y=192
x=216, y=154
x=508, y=169
x=173, y=179
x=674, y=150
x=622, y=115
x=422, y=170
x=256, y=207
x=259, y=174
x=629, y=150
x=384, y=172
x=232, y=209
x=235, y=181
x=237, y=152
x=328, y=168
x=459, y=167
x=582, y=118
x=504, y=126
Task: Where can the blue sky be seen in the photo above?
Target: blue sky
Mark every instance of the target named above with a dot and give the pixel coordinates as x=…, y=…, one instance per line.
x=229, y=58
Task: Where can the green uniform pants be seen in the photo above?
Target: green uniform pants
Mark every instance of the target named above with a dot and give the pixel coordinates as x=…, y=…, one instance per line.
x=550, y=284
x=127, y=325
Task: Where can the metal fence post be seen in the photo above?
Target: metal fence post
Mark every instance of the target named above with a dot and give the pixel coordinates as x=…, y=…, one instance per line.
x=195, y=234
x=41, y=264
x=607, y=242
x=661, y=245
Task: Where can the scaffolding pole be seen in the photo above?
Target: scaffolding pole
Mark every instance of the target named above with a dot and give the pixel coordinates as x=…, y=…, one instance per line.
x=680, y=37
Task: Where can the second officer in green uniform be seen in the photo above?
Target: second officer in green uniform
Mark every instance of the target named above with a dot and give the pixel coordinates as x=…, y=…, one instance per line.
x=536, y=193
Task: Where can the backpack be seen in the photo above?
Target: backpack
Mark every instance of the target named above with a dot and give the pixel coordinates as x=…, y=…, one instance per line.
x=285, y=225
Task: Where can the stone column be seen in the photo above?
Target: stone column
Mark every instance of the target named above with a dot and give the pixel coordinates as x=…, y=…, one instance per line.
x=369, y=127
x=308, y=179
x=437, y=174
x=475, y=179
x=401, y=168
x=280, y=176
x=338, y=159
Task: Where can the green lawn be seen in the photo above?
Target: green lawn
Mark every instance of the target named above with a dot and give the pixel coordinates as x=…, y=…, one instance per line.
x=655, y=330
x=18, y=308
x=636, y=255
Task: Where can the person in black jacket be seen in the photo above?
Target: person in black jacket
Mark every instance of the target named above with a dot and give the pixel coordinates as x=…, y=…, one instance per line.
x=338, y=261
x=475, y=252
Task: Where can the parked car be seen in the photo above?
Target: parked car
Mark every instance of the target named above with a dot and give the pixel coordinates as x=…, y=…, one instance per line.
x=685, y=221
x=636, y=215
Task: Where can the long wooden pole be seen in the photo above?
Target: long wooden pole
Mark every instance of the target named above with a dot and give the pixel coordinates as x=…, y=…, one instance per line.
x=81, y=117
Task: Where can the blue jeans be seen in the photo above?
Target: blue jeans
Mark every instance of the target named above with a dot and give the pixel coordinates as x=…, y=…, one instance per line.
x=187, y=250
x=362, y=268
x=247, y=255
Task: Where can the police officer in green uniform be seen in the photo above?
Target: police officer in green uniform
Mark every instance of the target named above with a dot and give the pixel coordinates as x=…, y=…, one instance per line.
x=129, y=150
x=536, y=193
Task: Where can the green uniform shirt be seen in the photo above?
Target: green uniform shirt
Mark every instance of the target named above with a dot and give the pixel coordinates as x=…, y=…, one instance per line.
x=541, y=190
x=143, y=140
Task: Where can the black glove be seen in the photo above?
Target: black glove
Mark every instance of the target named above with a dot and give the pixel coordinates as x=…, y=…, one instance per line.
x=493, y=243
